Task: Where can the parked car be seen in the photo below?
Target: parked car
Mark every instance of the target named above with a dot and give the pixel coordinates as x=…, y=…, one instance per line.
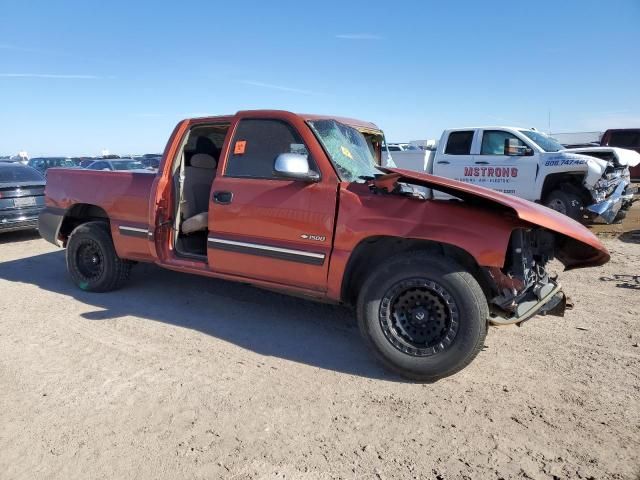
x=82, y=162
x=296, y=203
x=116, y=164
x=42, y=164
x=580, y=183
x=21, y=196
x=401, y=147
x=624, y=138
x=151, y=161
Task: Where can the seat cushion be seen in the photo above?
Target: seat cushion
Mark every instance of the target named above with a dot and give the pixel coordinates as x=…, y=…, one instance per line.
x=196, y=223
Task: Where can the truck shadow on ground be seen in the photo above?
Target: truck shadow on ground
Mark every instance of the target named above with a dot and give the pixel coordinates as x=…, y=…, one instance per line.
x=19, y=236
x=323, y=336
x=631, y=237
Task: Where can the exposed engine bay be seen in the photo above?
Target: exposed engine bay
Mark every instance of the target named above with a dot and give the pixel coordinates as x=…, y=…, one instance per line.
x=524, y=287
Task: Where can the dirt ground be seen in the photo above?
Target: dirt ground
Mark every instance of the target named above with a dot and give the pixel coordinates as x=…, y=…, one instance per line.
x=178, y=376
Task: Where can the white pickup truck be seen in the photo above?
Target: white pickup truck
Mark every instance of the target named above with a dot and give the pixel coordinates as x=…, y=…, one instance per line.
x=582, y=183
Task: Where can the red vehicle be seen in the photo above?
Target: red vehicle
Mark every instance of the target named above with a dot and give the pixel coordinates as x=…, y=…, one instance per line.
x=297, y=203
x=624, y=138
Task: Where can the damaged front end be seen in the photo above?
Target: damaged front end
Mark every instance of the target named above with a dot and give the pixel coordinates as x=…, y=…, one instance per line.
x=517, y=285
x=613, y=194
x=523, y=287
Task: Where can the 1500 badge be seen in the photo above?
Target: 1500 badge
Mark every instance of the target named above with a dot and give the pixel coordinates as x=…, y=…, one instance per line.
x=317, y=238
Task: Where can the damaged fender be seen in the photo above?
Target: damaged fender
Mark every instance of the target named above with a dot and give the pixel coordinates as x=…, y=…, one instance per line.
x=576, y=246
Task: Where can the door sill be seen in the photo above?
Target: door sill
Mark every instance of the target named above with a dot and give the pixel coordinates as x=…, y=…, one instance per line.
x=191, y=256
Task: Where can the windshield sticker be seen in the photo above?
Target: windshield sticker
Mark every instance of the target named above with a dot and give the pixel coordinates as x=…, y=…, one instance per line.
x=345, y=151
x=240, y=147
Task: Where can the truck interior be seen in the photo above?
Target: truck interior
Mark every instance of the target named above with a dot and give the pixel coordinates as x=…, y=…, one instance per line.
x=193, y=173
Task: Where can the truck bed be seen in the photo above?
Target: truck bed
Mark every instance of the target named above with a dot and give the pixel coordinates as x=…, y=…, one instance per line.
x=122, y=195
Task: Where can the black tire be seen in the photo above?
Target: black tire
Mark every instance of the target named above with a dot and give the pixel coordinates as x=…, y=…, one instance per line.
x=567, y=203
x=92, y=261
x=448, y=340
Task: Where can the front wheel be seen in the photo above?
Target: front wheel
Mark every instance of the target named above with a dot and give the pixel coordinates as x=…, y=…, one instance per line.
x=567, y=203
x=424, y=316
x=92, y=261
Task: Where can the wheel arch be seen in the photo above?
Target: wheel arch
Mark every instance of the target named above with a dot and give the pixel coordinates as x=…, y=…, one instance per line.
x=77, y=215
x=372, y=250
x=568, y=181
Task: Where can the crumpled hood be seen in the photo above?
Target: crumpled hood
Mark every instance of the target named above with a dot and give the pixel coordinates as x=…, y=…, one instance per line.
x=623, y=156
x=577, y=246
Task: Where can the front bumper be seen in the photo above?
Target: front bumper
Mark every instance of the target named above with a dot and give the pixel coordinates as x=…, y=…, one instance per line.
x=549, y=300
x=608, y=209
x=18, y=222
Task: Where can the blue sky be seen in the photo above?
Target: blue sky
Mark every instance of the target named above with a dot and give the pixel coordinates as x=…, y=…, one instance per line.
x=80, y=76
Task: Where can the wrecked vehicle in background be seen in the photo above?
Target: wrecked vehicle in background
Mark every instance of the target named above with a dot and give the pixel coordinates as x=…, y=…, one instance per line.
x=297, y=203
x=583, y=183
x=612, y=191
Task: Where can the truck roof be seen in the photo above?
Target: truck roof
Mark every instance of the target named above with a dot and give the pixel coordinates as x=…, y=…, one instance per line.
x=359, y=124
x=346, y=120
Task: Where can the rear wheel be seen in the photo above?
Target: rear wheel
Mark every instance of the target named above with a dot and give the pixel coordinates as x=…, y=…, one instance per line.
x=423, y=315
x=567, y=203
x=92, y=261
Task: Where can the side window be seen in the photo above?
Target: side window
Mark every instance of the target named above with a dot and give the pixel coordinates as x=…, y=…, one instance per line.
x=459, y=143
x=256, y=145
x=493, y=142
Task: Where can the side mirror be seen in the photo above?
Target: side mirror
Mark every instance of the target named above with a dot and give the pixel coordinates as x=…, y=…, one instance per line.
x=295, y=167
x=514, y=148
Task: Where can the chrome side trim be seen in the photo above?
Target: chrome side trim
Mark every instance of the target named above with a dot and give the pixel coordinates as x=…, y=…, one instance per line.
x=133, y=231
x=267, y=250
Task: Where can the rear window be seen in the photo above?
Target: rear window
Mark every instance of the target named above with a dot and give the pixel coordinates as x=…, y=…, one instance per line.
x=459, y=143
x=19, y=173
x=630, y=139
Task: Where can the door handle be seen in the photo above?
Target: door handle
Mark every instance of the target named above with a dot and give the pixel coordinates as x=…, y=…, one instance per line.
x=223, y=198
x=482, y=162
x=443, y=162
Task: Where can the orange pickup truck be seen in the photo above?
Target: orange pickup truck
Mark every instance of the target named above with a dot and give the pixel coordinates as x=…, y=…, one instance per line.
x=298, y=203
